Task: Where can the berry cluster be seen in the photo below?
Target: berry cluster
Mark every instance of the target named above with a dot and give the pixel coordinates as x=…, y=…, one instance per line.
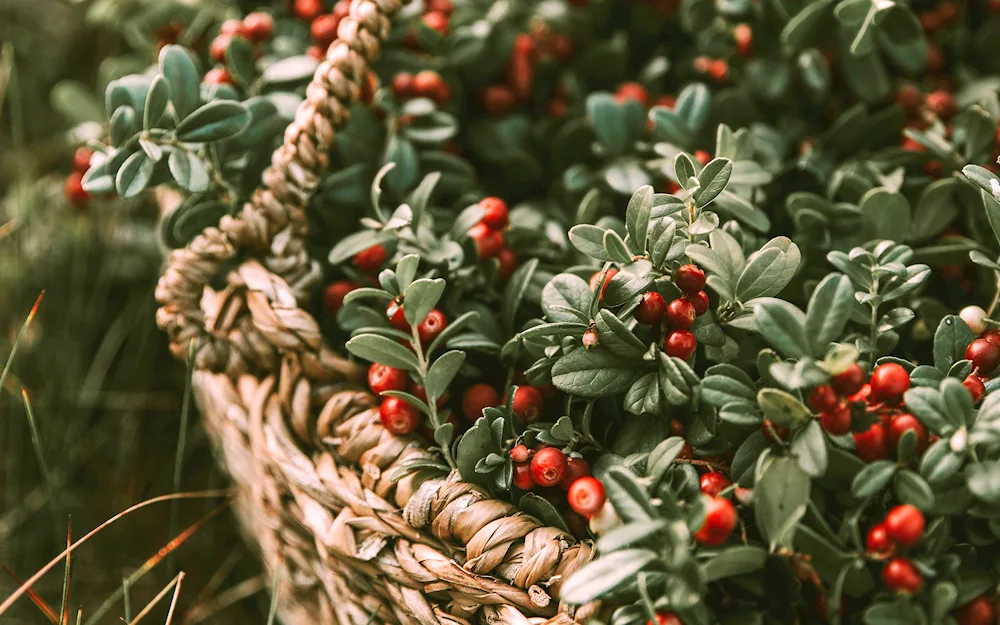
x=678, y=316
x=256, y=28
x=436, y=16
x=902, y=528
x=488, y=236
x=984, y=352
x=549, y=467
x=322, y=26
x=518, y=84
x=73, y=187
x=423, y=84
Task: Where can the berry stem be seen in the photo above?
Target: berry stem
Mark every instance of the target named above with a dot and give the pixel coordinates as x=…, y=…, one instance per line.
x=423, y=367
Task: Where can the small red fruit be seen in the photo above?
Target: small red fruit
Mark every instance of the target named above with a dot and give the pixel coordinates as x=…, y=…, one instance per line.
x=714, y=483
x=901, y=424
x=666, y=618
x=397, y=416
x=342, y=8
x=402, y=85
x=437, y=22
x=680, y=344
x=217, y=76
x=632, y=91
x=333, y=296
x=527, y=403
x=718, y=70
x=878, y=542
x=548, y=466
x=370, y=260
x=652, y=309
x=74, y=191
x=316, y=52
x=681, y=314
x=702, y=157
x=596, y=278
x=910, y=99
x=984, y=354
x=488, y=242
x=871, y=445
x=478, y=397
x=889, y=382
x=519, y=453
x=498, y=100
x=689, y=278
x=81, y=159
x=557, y=108
x=586, y=496
x=441, y=6
x=849, y=381
x=495, y=213
x=974, y=384
x=720, y=520
x=233, y=27
x=383, y=378
x=308, y=10
x=217, y=49
x=700, y=301
x=743, y=36
x=904, y=525
x=823, y=398
x=576, y=468
x=522, y=475
x=837, y=420
x=901, y=576
x=258, y=26
x=942, y=104
x=429, y=84
x=507, y=260
x=980, y=611
x=432, y=325
x=323, y=29
x=773, y=431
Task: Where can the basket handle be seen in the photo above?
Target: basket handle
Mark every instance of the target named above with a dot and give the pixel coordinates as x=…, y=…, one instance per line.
x=272, y=225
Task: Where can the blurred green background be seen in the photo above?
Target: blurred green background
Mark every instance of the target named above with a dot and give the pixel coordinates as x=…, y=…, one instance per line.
x=105, y=394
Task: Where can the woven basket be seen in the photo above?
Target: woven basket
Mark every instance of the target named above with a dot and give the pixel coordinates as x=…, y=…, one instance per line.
x=301, y=437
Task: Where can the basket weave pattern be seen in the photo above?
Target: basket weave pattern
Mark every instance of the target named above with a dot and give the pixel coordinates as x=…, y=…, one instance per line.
x=302, y=438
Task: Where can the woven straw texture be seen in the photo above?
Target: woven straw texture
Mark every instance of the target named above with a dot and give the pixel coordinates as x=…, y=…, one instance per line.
x=301, y=437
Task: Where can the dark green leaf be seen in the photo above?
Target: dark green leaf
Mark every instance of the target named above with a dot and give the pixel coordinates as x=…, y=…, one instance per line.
x=183, y=77
x=216, y=120
x=188, y=170
x=134, y=175
x=604, y=575
x=441, y=374
x=420, y=299
x=713, y=180
x=780, y=499
x=383, y=351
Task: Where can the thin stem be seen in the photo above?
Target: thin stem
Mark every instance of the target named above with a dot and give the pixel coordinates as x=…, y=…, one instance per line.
x=422, y=364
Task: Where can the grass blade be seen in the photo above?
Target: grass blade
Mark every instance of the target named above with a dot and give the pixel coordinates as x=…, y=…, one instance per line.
x=126, y=600
x=20, y=335
x=36, y=441
x=67, y=575
x=174, y=583
x=37, y=600
x=173, y=601
x=181, y=444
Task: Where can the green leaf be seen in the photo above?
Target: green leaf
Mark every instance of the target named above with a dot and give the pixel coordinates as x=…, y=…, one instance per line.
x=354, y=243
x=713, y=180
x=565, y=290
x=595, y=372
x=808, y=27
x=769, y=270
x=420, y=299
x=983, y=480
x=616, y=247
x=912, y=489
x=872, y=479
x=240, y=60
x=829, y=309
x=122, y=125
x=608, y=120
x=476, y=444
x=156, y=102
x=188, y=170
x=134, y=175
x=783, y=408
x=604, y=575
x=182, y=75
x=589, y=240
x=629, y=498
x=543, y=510
x=637, y=216
x=809, y=446
x=950, y=342
x=382, y=350
x=616, y=336
x=734, y=561
x=644, y=395
x=719, y=390
x=441, y=374
x=783, y=325
x=683, y=168
x=629, y=534
x=514, y=291
x=219, y=119
x=886, y=215
x=421, y=196
x=780, y=498
x=291, y=69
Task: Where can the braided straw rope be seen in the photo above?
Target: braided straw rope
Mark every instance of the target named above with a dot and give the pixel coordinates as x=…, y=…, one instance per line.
x=302, y=439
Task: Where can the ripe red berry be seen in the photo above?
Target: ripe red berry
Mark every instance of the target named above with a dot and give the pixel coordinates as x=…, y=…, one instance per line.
x=437, y=22
x=974, y=384
x=522, y=476
x=586, y=496
x=323, y=29
x=233, y=27
x=575, y=469
x=889, y=382
x=74, y=191
x=217, y=76
x=217, y=49
x=548, y=466
x=702, y=157
x=652, y=309
x=871, y=445
x=316, y=52
x=823, y=398
x=488, y=242
x=495, y=213
x=910, y=99
x=429, y=84
x=901, y=576
x=699, y=300
x=689, y=278
x=402, y=85
x=596, y=278
x=441, y=6
x=878, y=542
x=942, y=104
x=632, y=91
x=396, y=317
x=720, y=519
x=901, y=424
x=498, y=100
x=527, y=403
x=507, y=263
x=397, y=416
x=519, y=453
x=308, y=10
x=681, y=314
x=81, y=159
x=714, y=483
x=342, y=8
x=680, y=344
x=333, y=296
x=743, y=36
x=849, y=381
x=666, y=618
x=862, y=396
x=980, y=611
x=984, y=354
x=557, y=108
x=718, y=70
x=370, y=260
x=837, y=420
x=258, y=26
x=773, y=431
x=904, y=525
x=383, y=378
x=432, y=325
x=476, y=398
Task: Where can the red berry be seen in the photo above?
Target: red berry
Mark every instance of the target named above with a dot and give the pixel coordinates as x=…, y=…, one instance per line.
x=680, y=344
x=667, y=101
x=342, y=8
x=910, y=99
x=837, y=420
x=258, y=26
x=714, y=483
x=699, y=300
x=652, y=309
x=441, y=6
x=862, y=396
x=383, y=378
x=217, y=76
x=718, y=70
x=900, y=575
x=522, y=476
x=429, y=84
x=397, y=416
x=323, y=29
x=74, y=191
x=689, y=278
x=402, y=85
x=476, y=398
x=823, y=398
x=900, y=424
x=232, y=27
x=217, y=49
x=596, y=278
x=316, y=52
x=904, y=525
x=984, y=354
x=507, y=260
x=702, y=157
x=980, y=611
x=557, y=108
x=519, y=453
x=432, y=325
x=527, y=403
x=871, y=445
x=681, y=314
x=632, y=91
x=488, y=242
x=370, y=260
x=849, y=381
x=437, y=22
x=942, y=104
x=720, y=520
x=396, y=317
x=878, y=542
x=974, y=384
x=676, y=428
x=576, y=468
x=548, y=466
x=586, y=496
x=81, y=159
x=666, y=618
x=495, y=213
x=499, y=99
x=308, y=10
x=333, y=296
x=889, y=382
x=743, y=36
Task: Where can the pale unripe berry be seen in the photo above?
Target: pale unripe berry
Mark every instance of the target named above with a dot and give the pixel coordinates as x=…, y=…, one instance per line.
x=605, y=520
x=975, y=318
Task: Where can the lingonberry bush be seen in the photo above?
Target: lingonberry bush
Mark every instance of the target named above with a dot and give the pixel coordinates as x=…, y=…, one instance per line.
x=710, y=282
